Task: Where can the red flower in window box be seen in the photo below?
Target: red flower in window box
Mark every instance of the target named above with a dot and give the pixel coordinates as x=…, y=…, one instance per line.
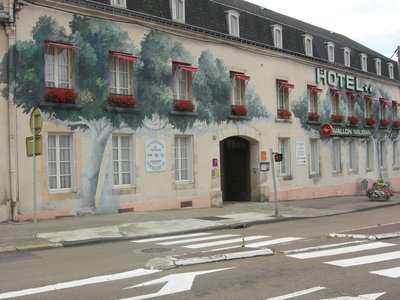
x=61, y=95
x=370, y=121
x=337, y=118
x=184, y=105
x=284, y=113
x=122, y=100
x=353, y=120
x=312, y=116
x=385, y=123
x=396, y=124
x=239, y=110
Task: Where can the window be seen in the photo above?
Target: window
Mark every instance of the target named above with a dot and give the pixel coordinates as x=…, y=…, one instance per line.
x=58, y=60
x=233, y=22
x=277, y=35
x=383, y=109
x=390, y=70
x=120, y=3
x=284, y=149
x=178, y=10
x=308, y=44
x=330, y=48
x=60, y=167
x=378, y=66
x=395, y=110
x=396, y=162
x=314, y=157
x=121, y=70
x=122, y=161
x=182, y=80
x=238, y=88
x=335, y=102
x=336, y=156
x=283, y=89
x=364, y=62
x=369, y=106
x=351, y=104
x=183, y=159
x=346, y=56
x=353, y=156
x=370, y=154
x=382, y=155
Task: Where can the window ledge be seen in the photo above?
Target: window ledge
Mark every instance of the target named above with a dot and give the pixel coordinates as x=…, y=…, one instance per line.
x=314, y=122
x=184, y=186
x=56, y=105
x=283, y=120
x=314, y=175
x=189, y=114
x=285, y=178
x=125, y=110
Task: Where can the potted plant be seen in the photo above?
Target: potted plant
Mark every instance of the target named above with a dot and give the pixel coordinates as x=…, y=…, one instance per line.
x=381, y=190
x=313, y=116
x=353, y=120
x=385, y=123
x=60, y=95
x=284, y=114
x=122, y=100
x=184, y=105
x=239, y=110
x=396, y=124
x=337, y=118
x=370, y=121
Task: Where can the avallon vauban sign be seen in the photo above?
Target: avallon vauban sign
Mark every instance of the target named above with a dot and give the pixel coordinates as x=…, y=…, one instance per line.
x=327, y=130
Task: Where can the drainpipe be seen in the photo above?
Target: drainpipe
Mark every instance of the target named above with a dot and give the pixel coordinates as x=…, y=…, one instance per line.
x=398, y=57
x=12, y=111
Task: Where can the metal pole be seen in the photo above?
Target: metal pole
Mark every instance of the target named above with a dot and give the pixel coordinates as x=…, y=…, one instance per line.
x=274, y=181
x=34, y=182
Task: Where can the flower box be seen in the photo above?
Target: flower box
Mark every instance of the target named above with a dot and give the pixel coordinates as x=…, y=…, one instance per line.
x=381, y=190
x=60, y=95
x=184, y=105
x=312, y=116
x=353, y=120
x=122, y=100
x=385, y=123
x=337, y=118
x=284, y=114
x=370, y=121
x=239, y=110
x=396, y=124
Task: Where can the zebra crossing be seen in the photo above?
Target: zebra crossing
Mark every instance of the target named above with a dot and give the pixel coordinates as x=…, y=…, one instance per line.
x=358, y=260
x=207, y=240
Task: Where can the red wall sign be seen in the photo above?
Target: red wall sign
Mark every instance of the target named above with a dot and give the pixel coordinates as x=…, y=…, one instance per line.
x=326, y=130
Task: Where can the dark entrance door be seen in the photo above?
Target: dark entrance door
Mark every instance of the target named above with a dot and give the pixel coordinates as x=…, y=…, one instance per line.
x=235, y=167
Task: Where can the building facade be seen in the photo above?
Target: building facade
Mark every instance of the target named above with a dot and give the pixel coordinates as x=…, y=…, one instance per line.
x=152, y=105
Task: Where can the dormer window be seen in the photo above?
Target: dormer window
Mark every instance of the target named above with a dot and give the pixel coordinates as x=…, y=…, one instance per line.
x=390, y=70
x=346, y=56
x=277, y=35
x=232, y=17
x=378, y=66
x=177, y=10
x=119, y=3
x=364, y=62
x=330, y=48
x=308, y=45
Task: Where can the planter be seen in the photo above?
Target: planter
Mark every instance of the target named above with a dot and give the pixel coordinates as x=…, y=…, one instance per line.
x=353, y=120
x=372, y=198
x=184, y=105
x=337, y=118
x=284, y=114
x=381, y=190
x=59, y=95
x=122, y=101
x=313, y=117
x=239, y=110
x=370, y=121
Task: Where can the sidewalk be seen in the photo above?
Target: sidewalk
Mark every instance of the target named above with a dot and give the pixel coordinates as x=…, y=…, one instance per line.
x=136, y=225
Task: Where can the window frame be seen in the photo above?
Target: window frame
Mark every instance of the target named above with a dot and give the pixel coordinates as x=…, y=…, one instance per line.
x=238, y=88
x=314, y=157
x=282, y=95
x=396, y=158
x=352, y=155
x=336, y=156
x=175, y=14
x=285, y=164
x=395, y=110
x=369, y=148
x=382, y=110
x=178, y=160
x=347, y=56
x=383, y=155
x=335, y=104
x=364, y=62
x=378, y=66
x=233, y=27
x=182, y=81
x=56, y=80
x=390, y=70
x=117, y=62
x=351, y=105
x=114, y=3
x=277, y=35
x=120, y=161
x=308, y=45
x=369, y=108
x=330, y=48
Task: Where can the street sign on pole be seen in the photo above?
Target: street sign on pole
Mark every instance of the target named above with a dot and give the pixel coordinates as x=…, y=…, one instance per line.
x=36, y=121
x=271, y=155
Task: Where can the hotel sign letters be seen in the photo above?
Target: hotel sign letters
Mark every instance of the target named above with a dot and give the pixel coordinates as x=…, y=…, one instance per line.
x=328, y=130
x=341, y=81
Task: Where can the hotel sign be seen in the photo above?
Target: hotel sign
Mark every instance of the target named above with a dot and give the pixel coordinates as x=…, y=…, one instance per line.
x=341, y=81
x=155, y=155
x=327, y=130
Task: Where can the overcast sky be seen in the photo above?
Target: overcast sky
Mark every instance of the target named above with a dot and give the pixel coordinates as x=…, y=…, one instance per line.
x=373, y=23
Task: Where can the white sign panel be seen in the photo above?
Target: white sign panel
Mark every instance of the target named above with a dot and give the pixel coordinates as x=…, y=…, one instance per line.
x=155, y=155
x=300, y=153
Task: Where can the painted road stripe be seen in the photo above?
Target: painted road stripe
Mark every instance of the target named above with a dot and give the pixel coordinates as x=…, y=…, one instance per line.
x=272, y=242
x=171, y=237
x=217, y=243
x=299, y=293
x=392, y=272
x=187, y=241
x=342, y=250
x=363, y=260
x=77, y=283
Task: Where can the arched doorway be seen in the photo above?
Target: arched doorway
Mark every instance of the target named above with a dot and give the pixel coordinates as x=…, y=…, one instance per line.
x=235, y=169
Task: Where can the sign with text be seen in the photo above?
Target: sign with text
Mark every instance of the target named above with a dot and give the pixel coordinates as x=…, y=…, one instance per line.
x=344, y=131
x=300, y=153
x=155, y=155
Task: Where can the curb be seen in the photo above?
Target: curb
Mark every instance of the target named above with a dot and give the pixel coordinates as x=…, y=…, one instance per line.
x=381, y=236
x=28, y=248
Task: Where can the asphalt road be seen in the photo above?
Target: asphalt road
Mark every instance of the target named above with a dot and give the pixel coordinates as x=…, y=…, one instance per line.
x=73, y=273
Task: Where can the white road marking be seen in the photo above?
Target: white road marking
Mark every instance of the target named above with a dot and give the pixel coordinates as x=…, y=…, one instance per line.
x=186, y=241
x=272, y=242
x=170, y=237
x=299, y=293
x=238, y=240
x=342, y=250
x=360, y=297
x=392, y=272
x=77, y=283
x=362, y=260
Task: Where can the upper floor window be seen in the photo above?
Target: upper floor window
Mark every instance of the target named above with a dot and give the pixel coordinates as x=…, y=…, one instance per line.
x=395, y=110
x=378, y=66
x=121, y=73
x=177, y=10
x=314, y=94
x=364, y=62
x=182, y=80
x=346, y=56
x=308, y=44
x=369, y=106
x=232, y=17
x=335, y=105
x=120, y=3
x=330, y=48
x=238, y=88
x=58, y=62
x=283, y=89
x=390, y=70
x=277, y=35
x=351, y=104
